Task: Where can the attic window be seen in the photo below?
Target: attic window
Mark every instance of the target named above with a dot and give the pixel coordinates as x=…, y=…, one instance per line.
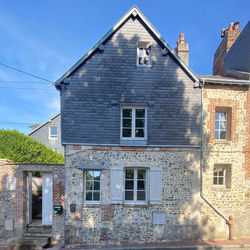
x=144, y=54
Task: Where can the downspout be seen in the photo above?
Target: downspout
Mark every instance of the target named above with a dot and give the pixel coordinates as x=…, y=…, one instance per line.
x=228, y=221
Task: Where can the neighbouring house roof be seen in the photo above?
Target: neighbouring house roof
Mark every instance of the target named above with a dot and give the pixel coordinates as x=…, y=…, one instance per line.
x=133, y=11
x=238, y=57
x=216, y=79
x=44, y=124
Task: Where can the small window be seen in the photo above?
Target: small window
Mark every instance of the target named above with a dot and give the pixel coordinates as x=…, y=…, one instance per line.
x=92, y=186
x=222, y=125
x=222, y=176
x=144, y=54
x=53, y=133
x=133, y=123
x=135, y=185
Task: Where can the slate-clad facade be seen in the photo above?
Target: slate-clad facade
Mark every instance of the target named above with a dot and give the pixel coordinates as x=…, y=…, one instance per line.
x=110, y=78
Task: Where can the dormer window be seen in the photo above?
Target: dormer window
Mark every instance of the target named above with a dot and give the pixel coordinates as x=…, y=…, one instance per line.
x=144, y=54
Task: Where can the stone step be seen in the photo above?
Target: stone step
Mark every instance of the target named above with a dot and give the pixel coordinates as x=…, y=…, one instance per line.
x=37, y=241
x=36, y=234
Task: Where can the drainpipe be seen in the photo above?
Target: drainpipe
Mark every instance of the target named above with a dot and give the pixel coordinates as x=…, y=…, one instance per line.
x=229, y=220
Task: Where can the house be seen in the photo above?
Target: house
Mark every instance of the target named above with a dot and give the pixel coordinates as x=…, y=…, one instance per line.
x=226, y=130
x=48, y=133
x=138, y=166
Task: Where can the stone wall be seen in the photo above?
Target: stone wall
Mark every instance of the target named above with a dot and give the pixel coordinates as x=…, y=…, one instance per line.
x=232, y=152
x=13, y=199
x=8, y=232
x=184, y=215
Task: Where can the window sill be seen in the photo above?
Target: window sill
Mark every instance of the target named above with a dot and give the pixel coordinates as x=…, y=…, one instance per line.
x=143, y=66
x=91, y=205
x=135, y=205
x=221, y=188
x=222, y=141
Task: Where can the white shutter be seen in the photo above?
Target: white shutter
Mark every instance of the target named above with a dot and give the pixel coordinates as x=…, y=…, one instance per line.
x=116, y=185
x=155, y=185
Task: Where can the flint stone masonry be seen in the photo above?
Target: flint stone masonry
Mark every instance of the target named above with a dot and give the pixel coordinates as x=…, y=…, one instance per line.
x=234, y=153
x=187, y=217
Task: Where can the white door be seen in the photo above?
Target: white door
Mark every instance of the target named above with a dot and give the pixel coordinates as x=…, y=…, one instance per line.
x=29, y=197
x=47, y=193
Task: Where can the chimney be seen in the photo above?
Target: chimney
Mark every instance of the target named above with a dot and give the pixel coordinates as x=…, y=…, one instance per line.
x=229, y=36
x=34, y=126
x=182, y=49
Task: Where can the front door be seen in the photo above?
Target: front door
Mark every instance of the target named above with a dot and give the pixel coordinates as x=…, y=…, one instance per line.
x=47, y=194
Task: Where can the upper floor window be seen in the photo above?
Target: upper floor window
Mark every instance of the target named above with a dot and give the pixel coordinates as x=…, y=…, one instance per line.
x=133, y=123
x=92, y=186
x=144, y=54
x=222, y=125
x=53, y=132
x=135, y=185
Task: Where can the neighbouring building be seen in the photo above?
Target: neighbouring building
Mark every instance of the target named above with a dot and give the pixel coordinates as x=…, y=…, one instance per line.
x=49, y=133
x=138, y=166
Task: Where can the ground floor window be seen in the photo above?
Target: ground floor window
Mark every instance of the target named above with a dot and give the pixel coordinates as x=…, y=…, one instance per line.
x=92, y=186
x=135, y=185
x=222, y=176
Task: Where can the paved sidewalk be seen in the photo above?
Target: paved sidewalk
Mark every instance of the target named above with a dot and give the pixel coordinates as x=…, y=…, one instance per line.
x=199, y=245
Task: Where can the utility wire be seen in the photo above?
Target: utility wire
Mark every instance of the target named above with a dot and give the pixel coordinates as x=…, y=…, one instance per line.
x=24, y=88
x=38, y=77
x=22, y=82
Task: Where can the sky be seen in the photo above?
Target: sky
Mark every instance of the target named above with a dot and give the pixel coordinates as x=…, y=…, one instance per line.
x=47, y=37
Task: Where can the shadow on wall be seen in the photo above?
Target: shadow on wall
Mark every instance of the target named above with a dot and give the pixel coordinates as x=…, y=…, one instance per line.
x=112, y=78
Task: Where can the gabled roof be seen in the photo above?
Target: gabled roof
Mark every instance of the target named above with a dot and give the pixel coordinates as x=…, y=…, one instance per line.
x=52, y=118
x=133, y=11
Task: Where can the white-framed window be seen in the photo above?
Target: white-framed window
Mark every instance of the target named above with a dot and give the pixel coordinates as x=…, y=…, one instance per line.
x=144, y=54
x=92, y=186
x=221, y=176
x=53, y=132
x=222, y=124
x=133, y=123
x=135, y=185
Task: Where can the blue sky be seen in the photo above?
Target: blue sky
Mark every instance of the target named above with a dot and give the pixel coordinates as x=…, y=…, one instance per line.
x=46, y=38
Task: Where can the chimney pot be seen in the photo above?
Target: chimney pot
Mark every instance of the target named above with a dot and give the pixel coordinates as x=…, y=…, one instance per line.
x=236, y=26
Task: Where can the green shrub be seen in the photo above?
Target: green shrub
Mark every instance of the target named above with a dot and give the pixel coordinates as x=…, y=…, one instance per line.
x=20, y=148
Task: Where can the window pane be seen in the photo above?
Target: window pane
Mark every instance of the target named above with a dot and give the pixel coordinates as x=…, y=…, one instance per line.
x=89, y=196
x=96, y=196
x=139, y=123
x=141, y=174
x=141, y=195
x=53, y=131
x=217, y=114
x=223, y=135
x=127, y=123
x=223, y=116
x=139, y=133
x=129, y=185
x=129, y=174
x=141, y=185
x=96, y=185
x=221, y=181
x=126, y=132
x=96, y=175
x=216, y=173
x=129, y=195
x=223, y=125
x=140, y=113
x=215, y=181
x=88, y=175
x=127, y=113
x=217, y=125
x=88, y=185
